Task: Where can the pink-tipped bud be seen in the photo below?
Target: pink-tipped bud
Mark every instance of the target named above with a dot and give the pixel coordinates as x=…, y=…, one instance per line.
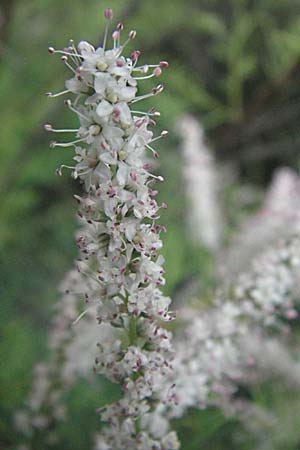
x=132, y=34
x=164, y=205
x=48, y=127
x=71, y=42
x=139, y=122
x=68, y=102
x=147, y=166
x=152, y=192
x=135, y=54
x=78, y=69
x=120, y=63
x=157, y=71
x=156, y=114
x=164, y=133
x=115, y=35
x=64, y=58
x=120, y=26
x=152, y=122
x=108, y=13
x=51, y=50
x=155, y=154
x=116, y=112
x=160, y=178
x=163, y=64
x=133, y=176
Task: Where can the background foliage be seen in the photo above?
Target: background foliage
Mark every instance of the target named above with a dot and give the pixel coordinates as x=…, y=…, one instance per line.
x=234, y=63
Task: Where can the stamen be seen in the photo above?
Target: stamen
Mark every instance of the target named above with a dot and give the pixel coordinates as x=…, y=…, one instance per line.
x=68, y=103
x=52, y=50
x=48, y=127
x=65, y=144
x=80, y=316
x=153, y=112
x=116, y=38
x=132, y=35
x=157, y=177
x=159, y=88
x=74, y=54
x=49, y=94
x=163, y=64
x=146, y=77
x=65, y=60
x=146, y=67
x=108, y=13
x=58, y=171
x=134, y=55
x=144, y=113
x=162, y=135
x=108, y=16
x=154, y=152
x=141, y=97
x=83, y=173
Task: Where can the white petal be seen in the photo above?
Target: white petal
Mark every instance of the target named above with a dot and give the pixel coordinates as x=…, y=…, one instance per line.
x=125, y=113
x=127, y=93
x=85, y=48
x=104, y=109
x=100, y=83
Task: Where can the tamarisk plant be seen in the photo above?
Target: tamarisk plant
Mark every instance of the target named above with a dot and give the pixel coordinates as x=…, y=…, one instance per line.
x=226, y=340
x=120, y=239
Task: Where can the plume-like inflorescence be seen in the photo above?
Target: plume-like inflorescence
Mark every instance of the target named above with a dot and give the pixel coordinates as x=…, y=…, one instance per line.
x=202, y=183
x=120, y=240
x=52, y=379
x=264, y=300
x=276, y=219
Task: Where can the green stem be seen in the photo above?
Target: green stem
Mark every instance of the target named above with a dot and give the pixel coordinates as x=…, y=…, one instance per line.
x=132, y=330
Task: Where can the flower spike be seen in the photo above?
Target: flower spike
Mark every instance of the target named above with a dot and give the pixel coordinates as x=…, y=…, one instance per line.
x=119, y=242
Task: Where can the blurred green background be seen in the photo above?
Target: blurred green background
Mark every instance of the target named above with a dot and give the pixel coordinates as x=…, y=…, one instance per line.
x=234, y=64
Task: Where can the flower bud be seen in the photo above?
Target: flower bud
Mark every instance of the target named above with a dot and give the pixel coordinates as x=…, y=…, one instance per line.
x=108, y=14
x=157, y=71
x=115, y=35
x=163, y=64
x=135, y=54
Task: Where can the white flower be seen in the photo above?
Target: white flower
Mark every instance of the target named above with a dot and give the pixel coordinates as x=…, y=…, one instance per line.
x=134, y=360
x=104, y=109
